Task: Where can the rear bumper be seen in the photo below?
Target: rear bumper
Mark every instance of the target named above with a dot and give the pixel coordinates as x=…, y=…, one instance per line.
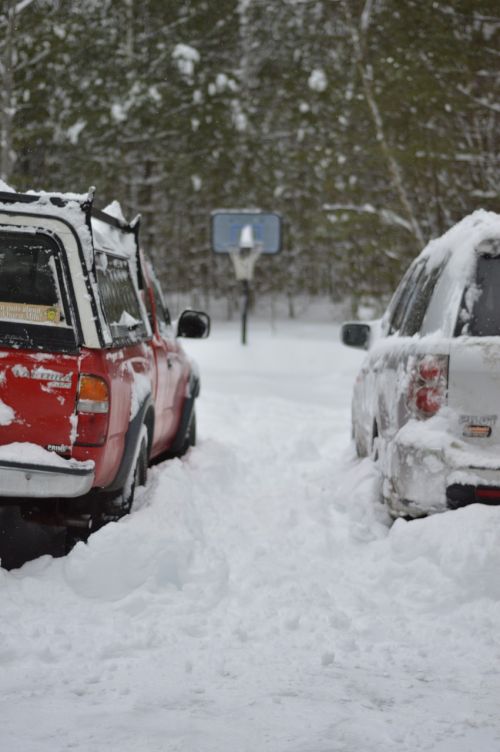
x=427, y=471
x=36, y=481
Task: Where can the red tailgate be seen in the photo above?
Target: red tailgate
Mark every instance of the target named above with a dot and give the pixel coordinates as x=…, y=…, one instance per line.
x=38, y=395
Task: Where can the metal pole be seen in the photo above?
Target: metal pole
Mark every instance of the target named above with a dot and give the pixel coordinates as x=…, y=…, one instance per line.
x=244, y=313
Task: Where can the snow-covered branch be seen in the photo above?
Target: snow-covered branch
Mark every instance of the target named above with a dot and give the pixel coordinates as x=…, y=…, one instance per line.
x=366, y=75
x=387, y=216
x=14, y=10
x=22, y=5
x=366, y=16
x=493, y=106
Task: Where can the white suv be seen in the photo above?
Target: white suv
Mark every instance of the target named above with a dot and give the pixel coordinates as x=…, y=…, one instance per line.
x=426, y=402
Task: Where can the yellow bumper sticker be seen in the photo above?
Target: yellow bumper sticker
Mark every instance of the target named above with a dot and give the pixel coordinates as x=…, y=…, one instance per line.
x=36, y=314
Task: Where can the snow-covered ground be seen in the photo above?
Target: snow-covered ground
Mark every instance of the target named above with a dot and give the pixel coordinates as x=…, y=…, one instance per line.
x=257, y=599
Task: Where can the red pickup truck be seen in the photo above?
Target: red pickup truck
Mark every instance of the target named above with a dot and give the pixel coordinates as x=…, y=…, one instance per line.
x=93, y=382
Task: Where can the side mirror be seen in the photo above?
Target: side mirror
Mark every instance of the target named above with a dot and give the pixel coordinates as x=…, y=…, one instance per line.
x=193, y=324
x=355, y=334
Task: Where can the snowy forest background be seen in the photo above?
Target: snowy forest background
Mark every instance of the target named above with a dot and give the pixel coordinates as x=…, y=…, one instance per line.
x=371, y=126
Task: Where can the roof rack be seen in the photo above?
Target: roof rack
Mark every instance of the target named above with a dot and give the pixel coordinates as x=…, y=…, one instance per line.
x=12, y=197
x=110, y=220
x=56, y=199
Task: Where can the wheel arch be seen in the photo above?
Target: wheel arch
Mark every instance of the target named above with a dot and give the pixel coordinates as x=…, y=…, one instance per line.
x=145, y=416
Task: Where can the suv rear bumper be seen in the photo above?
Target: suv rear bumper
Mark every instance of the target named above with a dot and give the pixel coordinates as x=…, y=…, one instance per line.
x=424, y=474
x=36, y=481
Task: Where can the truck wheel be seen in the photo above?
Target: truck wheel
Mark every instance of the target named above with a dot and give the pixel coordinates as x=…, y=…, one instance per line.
x=74, y=535
x=185, y=436
x=121, y=504
x=190, y=435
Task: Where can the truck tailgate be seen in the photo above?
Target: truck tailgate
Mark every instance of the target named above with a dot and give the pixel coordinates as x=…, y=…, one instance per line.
x=37, y=399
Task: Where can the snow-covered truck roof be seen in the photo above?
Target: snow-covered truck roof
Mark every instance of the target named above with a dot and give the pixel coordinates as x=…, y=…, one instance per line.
x=84, y=230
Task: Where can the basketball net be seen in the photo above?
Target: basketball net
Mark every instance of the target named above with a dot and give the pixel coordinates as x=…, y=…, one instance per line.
x=244, y=260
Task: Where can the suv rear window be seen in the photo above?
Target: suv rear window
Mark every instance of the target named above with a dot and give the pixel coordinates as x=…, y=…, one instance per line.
x=480, y=311
x=32, y=297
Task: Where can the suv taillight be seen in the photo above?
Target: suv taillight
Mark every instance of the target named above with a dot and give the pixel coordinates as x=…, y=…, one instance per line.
x=92, y=410
x=428, y=385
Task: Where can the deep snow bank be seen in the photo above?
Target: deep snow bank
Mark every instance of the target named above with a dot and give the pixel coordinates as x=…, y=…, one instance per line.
x=459, y=550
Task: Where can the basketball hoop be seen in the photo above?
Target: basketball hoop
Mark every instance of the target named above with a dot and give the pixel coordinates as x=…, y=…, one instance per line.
x=245, y=235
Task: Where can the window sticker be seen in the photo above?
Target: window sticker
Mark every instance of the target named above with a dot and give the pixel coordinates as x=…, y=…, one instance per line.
x=35, y=314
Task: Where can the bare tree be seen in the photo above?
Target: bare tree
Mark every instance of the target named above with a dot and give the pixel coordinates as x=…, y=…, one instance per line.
x=358, y=34
x=7, y=95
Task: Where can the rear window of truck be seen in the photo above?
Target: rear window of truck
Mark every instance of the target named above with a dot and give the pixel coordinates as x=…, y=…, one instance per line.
x=33, y=301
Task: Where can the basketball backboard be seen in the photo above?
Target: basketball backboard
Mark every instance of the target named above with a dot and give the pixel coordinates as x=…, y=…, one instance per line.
x=231, y=229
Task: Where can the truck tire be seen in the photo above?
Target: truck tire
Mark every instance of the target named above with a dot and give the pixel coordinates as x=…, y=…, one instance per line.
x=121, y=504
x=112, y=509
x=190, y=435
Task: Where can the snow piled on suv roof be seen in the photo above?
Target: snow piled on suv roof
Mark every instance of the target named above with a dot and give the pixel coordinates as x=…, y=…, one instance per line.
x=463, y=239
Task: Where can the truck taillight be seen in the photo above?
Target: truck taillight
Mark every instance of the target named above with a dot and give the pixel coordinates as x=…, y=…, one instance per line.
x=428, y=385
x=92, y=410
